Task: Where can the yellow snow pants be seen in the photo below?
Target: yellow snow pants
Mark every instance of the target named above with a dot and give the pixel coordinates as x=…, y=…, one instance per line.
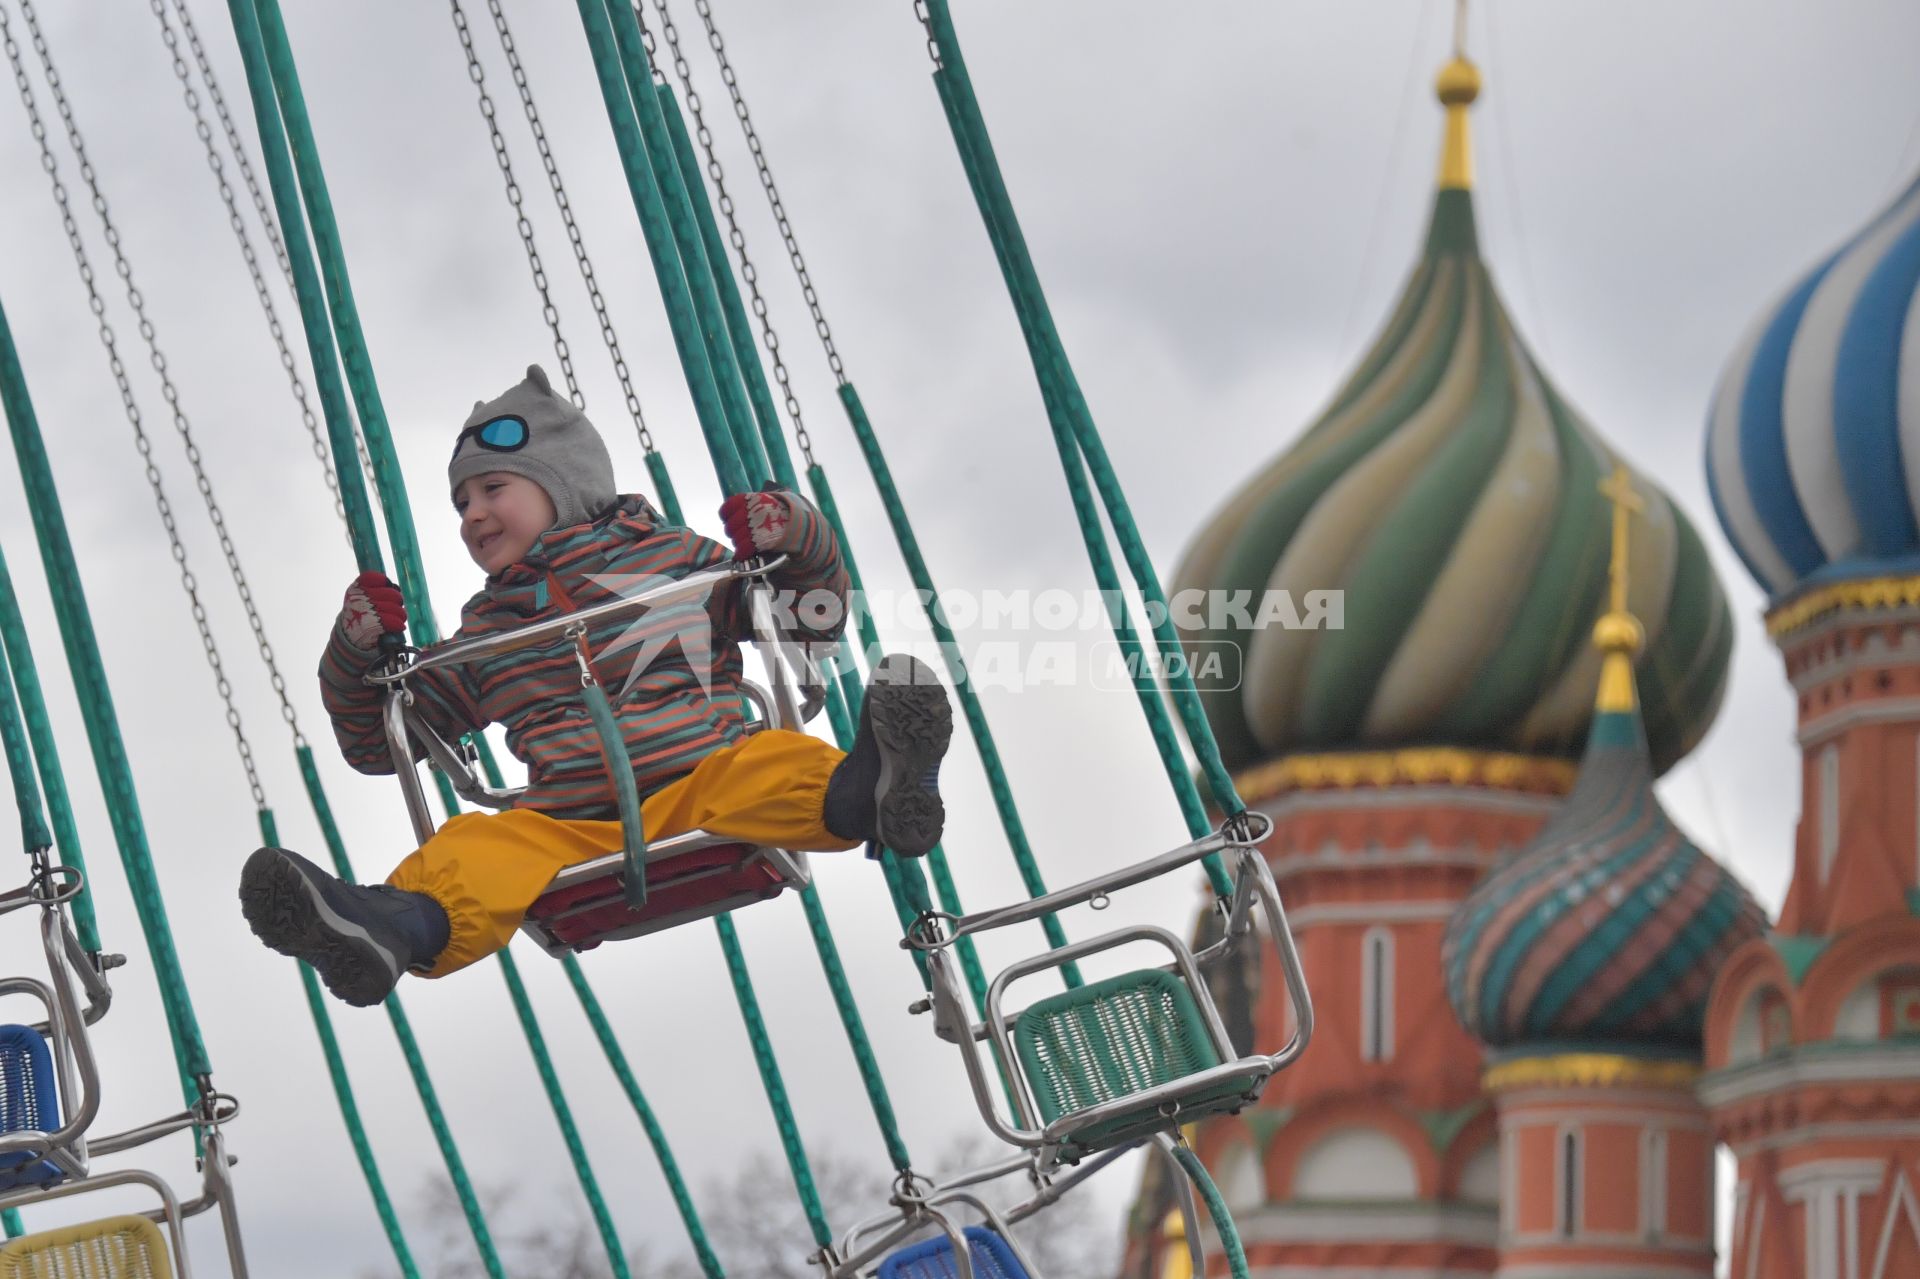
x=486, y=869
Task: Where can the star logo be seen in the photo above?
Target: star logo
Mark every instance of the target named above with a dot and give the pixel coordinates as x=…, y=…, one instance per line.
x=682, y=624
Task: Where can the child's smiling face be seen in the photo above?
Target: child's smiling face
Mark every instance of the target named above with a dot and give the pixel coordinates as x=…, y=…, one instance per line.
x=501, y=516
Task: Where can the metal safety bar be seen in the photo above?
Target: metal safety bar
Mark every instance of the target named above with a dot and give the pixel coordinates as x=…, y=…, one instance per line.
x=917, y=1210
x=403, y=724
x=169, y=1213
x=953, y=927
x=459, y=652
x=51, y=888
x=76, y=1074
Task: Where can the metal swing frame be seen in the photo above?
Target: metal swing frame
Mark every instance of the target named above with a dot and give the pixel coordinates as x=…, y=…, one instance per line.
x=868, y=1243
x=1068, y=1138
x=796, y=696
x=76, y=1073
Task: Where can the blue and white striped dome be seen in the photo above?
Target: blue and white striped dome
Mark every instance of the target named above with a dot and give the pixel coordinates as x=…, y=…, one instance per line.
x=1813, y=444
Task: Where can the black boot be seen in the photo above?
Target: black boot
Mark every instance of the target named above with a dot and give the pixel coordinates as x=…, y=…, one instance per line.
x=359, y=939
x=887, y=789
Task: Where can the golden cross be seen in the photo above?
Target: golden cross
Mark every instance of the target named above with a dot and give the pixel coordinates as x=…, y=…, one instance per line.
x=1618, y=488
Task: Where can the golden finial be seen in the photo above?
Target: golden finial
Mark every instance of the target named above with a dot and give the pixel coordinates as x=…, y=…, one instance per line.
x=1618, y=633
x=1458, y=84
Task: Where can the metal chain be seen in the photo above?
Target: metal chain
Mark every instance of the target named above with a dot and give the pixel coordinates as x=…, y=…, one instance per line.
x=260, y=206
x=97, y=305
x=214, y=515
x=548, y=311
x=749, y=274
x=574, y=236
x=646, y=42
x=260, y=290
x=774, y=203
x=926, y=24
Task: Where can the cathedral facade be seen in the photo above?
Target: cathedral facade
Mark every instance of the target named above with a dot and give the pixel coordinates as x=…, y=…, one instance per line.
x=1540, y=1007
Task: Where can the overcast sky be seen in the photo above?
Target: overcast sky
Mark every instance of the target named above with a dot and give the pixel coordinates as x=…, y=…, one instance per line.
x=1222, y=199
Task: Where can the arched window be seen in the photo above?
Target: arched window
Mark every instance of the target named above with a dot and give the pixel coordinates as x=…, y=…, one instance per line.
x=1238, y=1174
x=1653, y=1183
x=1376, y=995
x=1567, y=1207
x=1356, y=1163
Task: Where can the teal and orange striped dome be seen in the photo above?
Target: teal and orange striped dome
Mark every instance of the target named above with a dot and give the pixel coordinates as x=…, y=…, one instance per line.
x=1450, y=492
x=1609, y=926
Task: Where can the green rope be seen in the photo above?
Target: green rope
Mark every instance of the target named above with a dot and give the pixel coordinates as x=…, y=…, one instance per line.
x=409, y=1046
x=34, y=836
x=308, y=290
x=656, y=1136
x=1073, y=430
x=977, y=726
x=619, y=766
x=570, y=1131
x=46, y=755
x=658, y=132
x=345, y=316
x=549, y=1075
x=776, y=1087
x=1046, y=348
x=264, y=41
x=343, y=1091
x=663, y=487
x=96, y=707
x=10, y=1218
x=644, y=188
x=617, y=1058
x=646, y=130
x=969, y=953
x=1216, y=1208
x=713, y=252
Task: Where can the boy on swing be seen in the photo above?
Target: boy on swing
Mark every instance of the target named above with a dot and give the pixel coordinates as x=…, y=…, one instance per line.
x=539, y=513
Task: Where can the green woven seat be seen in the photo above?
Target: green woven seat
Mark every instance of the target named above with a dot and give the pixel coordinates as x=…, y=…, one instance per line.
x=1119, y=1037
x=116, y=1248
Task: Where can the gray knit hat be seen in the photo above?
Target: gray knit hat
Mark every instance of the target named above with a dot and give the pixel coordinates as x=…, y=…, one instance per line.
x=533, y=432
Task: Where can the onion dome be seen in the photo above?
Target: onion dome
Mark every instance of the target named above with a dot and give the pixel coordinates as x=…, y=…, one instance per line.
x=1610, y=925
x=1813, y=444
x=1449, y=494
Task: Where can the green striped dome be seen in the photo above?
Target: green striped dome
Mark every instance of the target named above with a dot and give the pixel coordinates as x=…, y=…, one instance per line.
x=1453, y=496
x=1609, y=927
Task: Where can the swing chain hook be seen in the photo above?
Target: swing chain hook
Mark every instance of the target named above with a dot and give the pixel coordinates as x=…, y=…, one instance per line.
x=1245, y=828
x=928, y=931
x=911, y=1191
x=581, y=655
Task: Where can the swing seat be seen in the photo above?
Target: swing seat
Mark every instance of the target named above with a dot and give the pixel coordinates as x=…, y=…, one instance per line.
x=934, y=1259
x=1119, y=1037
x=691, y=876
x=28, y=1103
x=115, y=1248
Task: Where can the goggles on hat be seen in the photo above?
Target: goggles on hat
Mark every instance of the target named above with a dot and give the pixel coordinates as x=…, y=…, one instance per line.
x=499, y=435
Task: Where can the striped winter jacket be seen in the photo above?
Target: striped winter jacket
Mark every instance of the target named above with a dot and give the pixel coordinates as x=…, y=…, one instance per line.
x=678, y=708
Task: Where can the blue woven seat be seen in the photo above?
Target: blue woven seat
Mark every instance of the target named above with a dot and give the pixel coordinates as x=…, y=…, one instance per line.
x=28, y=1103
x=933, y=1258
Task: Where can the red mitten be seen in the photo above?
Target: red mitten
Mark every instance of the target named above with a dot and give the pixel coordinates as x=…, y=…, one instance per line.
x=373, y=607
x=758, y=523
